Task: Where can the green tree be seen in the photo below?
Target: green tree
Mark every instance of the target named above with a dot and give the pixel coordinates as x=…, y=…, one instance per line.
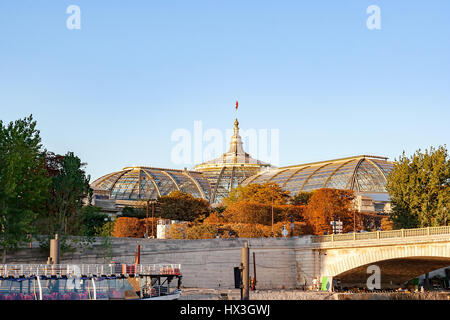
x=138, y=212
x=92, y=220
x=183, y=206
x=419, y=187
x=105, y=232
x=302, y=198
x=69, y=187
x=24, y=184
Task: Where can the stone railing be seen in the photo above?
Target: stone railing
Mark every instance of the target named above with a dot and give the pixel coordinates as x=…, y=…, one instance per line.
x=402, y=233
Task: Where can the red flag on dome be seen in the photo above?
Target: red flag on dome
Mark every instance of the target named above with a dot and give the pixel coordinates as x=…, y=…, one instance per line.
x=236, y=105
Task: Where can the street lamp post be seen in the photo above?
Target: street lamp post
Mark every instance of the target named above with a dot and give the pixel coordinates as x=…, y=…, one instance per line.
x=272, y=196
x=146, y=222
x=292, y=226
x=445, y=216
x=272, y=216
x=146, y=210
x=153, y=216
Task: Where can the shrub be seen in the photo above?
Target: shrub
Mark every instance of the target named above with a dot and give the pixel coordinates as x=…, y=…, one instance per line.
x=177, y=231
x=126, y=227
x=201, y=231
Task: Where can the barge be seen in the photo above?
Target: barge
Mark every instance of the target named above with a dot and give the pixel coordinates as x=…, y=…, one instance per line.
x=90, y=282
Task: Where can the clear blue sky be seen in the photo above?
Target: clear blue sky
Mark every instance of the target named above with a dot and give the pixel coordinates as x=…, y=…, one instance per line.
x=114, y=91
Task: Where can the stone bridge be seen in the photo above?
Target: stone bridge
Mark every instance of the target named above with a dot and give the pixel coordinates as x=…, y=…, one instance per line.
x=280, y=262
x=401, y=255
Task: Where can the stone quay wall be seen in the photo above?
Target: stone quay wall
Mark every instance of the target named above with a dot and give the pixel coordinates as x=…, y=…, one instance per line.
x=205, y=263
x=281, y=263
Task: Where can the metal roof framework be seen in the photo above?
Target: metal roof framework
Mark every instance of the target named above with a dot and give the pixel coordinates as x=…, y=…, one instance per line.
x=360, y=173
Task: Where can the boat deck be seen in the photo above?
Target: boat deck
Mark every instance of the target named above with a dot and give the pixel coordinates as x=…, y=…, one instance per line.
x=87, y=270
x=88, y=281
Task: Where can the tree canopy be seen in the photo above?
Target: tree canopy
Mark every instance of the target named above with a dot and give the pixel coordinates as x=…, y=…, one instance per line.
x=92, y=220
x=24, y=184
x=69, y=186
x=327, y=205
x=266, y=193
x=130, y=227
x=419, y=188
x=40, y=192
x=183, y=206
x=135, y=212
x=253, y=212
x=302, y=198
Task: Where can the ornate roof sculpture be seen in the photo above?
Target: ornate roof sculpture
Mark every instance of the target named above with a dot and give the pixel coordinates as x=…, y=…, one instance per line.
x=235, y=154
x=229, y=170
x=363, y=174
x=144, y=183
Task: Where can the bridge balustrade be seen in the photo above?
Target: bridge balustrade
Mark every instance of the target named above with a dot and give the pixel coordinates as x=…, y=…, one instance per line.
x=402, y=233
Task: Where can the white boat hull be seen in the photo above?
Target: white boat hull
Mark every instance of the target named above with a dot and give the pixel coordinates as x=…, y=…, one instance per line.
x=172, y=296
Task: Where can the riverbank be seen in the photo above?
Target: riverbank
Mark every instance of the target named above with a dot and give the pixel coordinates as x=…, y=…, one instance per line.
x=234, y=294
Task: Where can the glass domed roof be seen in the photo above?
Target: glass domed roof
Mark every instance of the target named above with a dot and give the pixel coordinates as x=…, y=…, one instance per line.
x=229, y=170
x=363, y=174
x=145, y=183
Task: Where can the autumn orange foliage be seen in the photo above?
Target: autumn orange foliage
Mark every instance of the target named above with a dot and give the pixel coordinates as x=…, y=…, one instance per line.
x=250, y=212
x=201, y=231
x=214, y=218
x=266, y=193
x=177, y=231
x=249, y=215
x=146, y=224
x=300, y=228
x=246, y=230
x=327, y=205
x=126, y=227
x=386, y=224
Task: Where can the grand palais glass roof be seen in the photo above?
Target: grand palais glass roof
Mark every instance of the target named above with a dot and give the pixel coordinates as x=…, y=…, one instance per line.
x=229, y=170
x=144, y=183
x=363, y=174
x=214, y=179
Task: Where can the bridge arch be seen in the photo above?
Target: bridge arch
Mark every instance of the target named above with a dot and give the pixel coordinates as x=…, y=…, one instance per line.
x=343, y=262
x=398, y=263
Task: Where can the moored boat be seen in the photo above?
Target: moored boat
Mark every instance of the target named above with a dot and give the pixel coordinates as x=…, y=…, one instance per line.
x=90, y=282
